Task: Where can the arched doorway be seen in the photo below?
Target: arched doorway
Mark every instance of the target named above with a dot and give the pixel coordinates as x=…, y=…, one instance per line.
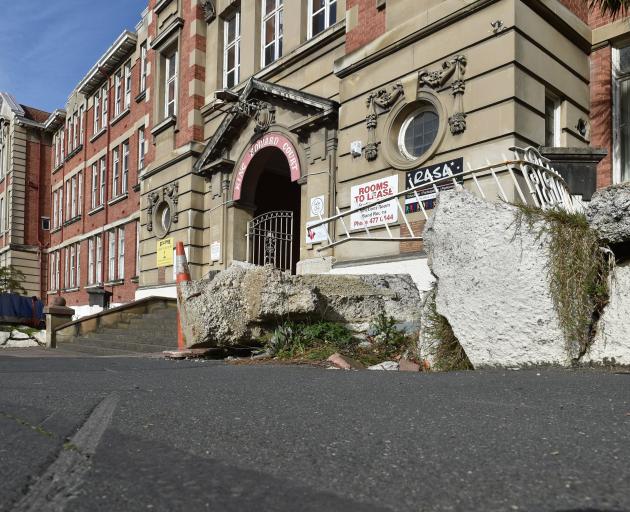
x=270, y=190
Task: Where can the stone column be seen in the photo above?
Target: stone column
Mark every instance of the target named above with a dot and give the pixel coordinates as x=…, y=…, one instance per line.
x=56, y=315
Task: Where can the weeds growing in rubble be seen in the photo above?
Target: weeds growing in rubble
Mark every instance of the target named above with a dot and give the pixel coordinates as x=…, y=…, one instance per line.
x=440, y=340
x=578, y=271
x=317, y=341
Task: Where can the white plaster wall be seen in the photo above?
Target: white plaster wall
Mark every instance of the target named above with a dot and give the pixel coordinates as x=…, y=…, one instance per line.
x=163, y=291
x=418, y=269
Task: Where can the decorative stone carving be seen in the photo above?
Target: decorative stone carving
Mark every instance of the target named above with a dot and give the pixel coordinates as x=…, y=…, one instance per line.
x=383, y=99
x=209, y=9
x=457, y=123
x=171, y=192
x=455, y=69
x=265, y=116
x=153, y=199
x=497, y=26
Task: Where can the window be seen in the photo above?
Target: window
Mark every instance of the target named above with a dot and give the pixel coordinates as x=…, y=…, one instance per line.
x=104, y=106
x=552, y=121
x=51, y=270
x=90, y=278
x=143, y=66
x=127, y=85
x=63, y=145
x=115, y=171
x=103, y=180
x=321, y=15
x=75, y=131
x=94, y=201
x=72, y=267
x=97, y=112
x=56, y=144
x=231, y=50
x=45, y=223
x=4, y=149
x=81, y=124
x=117, y=93
x=99, y=259
x=78, y=253
x=271, y=31
x=418, y=132
x=111, y=274
x=2, y=214
x=137, y=248
x=121, y=253
x=141, y=148
x=55, y=223
x=621, y=114
x=60, y=193
x=66, y=268
x=125, y=167
x=73, y=189
x=69, y=128
x=68, y=200
x=80, y=193
x=170, y=86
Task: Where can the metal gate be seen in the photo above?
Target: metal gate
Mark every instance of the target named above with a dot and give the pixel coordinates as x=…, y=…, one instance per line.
x=270, y=240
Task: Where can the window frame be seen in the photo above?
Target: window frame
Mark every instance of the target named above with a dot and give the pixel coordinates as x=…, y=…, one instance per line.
x=557, y=118
x=327, y=23
x=121, y=252
x=141, y=147
x=127, y=84
x=278, y=14
x=97, y=111
x=228, y=45
x=124, y=184
x=115, y=171
x=618, y=78
x=171, y=59
x=143, y=67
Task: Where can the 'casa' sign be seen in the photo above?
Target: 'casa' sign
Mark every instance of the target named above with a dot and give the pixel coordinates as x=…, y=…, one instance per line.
x=270, y=139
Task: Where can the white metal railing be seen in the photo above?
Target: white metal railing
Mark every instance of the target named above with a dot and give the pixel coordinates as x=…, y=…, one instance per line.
x=535, y=182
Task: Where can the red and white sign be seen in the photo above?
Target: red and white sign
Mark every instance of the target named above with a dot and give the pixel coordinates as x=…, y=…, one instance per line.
x=380, y=214
x=274, y=140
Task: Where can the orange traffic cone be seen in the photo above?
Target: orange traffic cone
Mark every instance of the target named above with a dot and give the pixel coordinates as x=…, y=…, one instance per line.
x=183, y=275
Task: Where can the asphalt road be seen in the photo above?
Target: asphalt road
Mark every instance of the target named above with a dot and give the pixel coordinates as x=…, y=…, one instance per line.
x=92, y=434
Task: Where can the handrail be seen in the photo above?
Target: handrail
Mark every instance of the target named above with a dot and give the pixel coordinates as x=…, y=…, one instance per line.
x=544, y=186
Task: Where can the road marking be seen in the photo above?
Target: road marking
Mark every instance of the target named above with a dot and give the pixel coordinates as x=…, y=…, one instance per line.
x=53, y=490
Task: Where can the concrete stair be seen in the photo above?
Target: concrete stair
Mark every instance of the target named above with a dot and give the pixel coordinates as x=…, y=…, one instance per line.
x=132, y=334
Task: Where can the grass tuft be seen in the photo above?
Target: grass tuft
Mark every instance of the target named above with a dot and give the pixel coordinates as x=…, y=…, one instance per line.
x=447, y=352
x=578, y=272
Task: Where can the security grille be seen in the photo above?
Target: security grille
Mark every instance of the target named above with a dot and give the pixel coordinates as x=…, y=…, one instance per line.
x=270, y=240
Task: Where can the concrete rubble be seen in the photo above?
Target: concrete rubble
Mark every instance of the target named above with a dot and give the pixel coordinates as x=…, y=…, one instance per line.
x=491, y=283
x=344, y=362
x=385, y=365
x=608, y=213
x=243, y=303
x=22, y=337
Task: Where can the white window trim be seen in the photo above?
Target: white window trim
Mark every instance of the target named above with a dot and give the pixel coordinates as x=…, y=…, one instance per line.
x=125, y=168
x=103, y=180
x=228, y=45
x=278, y=36
x=310, y=15
x=617, y=78
x=167, y=82
x=115, y=171
x=121, y=252
x=143, y=67
x=127, y=77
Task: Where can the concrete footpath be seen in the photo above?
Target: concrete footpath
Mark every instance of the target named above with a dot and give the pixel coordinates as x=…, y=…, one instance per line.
x=148, y=434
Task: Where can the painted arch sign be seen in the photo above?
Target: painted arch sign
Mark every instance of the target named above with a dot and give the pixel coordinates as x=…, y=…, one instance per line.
x=269, y=140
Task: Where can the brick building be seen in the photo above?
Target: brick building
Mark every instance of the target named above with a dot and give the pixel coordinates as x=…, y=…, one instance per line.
x=156, y=143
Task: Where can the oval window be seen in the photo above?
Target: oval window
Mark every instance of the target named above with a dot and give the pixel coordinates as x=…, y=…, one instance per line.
x=166, y=218
x=418, y=132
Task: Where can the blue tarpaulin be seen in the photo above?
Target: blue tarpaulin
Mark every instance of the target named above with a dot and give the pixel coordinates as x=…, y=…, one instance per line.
x=18, y=309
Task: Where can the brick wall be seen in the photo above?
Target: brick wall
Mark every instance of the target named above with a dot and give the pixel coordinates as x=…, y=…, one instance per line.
x=371, y=24
x=601, y=111
x=578, y=7
x=412, y=245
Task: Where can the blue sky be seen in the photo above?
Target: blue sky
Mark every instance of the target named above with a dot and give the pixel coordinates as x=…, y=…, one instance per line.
x=47, y=47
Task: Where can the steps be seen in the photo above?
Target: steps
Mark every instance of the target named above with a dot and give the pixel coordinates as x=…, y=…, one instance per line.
x=132, y=334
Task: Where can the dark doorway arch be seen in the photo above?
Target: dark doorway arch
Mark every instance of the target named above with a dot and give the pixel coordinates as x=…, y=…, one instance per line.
x=269, y=190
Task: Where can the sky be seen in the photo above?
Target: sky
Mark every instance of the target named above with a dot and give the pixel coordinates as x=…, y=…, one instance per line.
x=47, y=47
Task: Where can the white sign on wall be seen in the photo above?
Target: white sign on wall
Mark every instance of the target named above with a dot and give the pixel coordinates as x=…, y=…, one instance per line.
x=215, y=251
x=380, y=214
x=317, y=206
x=318, y=234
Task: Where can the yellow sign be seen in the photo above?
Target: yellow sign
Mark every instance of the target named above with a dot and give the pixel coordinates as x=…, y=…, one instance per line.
x=165, y=252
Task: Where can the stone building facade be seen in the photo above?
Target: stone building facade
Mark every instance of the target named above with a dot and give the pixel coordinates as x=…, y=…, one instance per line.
x=215, y=117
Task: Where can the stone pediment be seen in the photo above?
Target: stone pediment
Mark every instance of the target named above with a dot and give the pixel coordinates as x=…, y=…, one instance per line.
x=260, y=101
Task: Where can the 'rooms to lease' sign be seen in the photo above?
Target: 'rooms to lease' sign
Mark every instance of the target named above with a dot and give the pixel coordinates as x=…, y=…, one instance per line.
x=379, y=214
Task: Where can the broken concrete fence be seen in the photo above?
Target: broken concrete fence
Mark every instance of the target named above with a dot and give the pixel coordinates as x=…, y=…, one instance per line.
x=242, y=304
